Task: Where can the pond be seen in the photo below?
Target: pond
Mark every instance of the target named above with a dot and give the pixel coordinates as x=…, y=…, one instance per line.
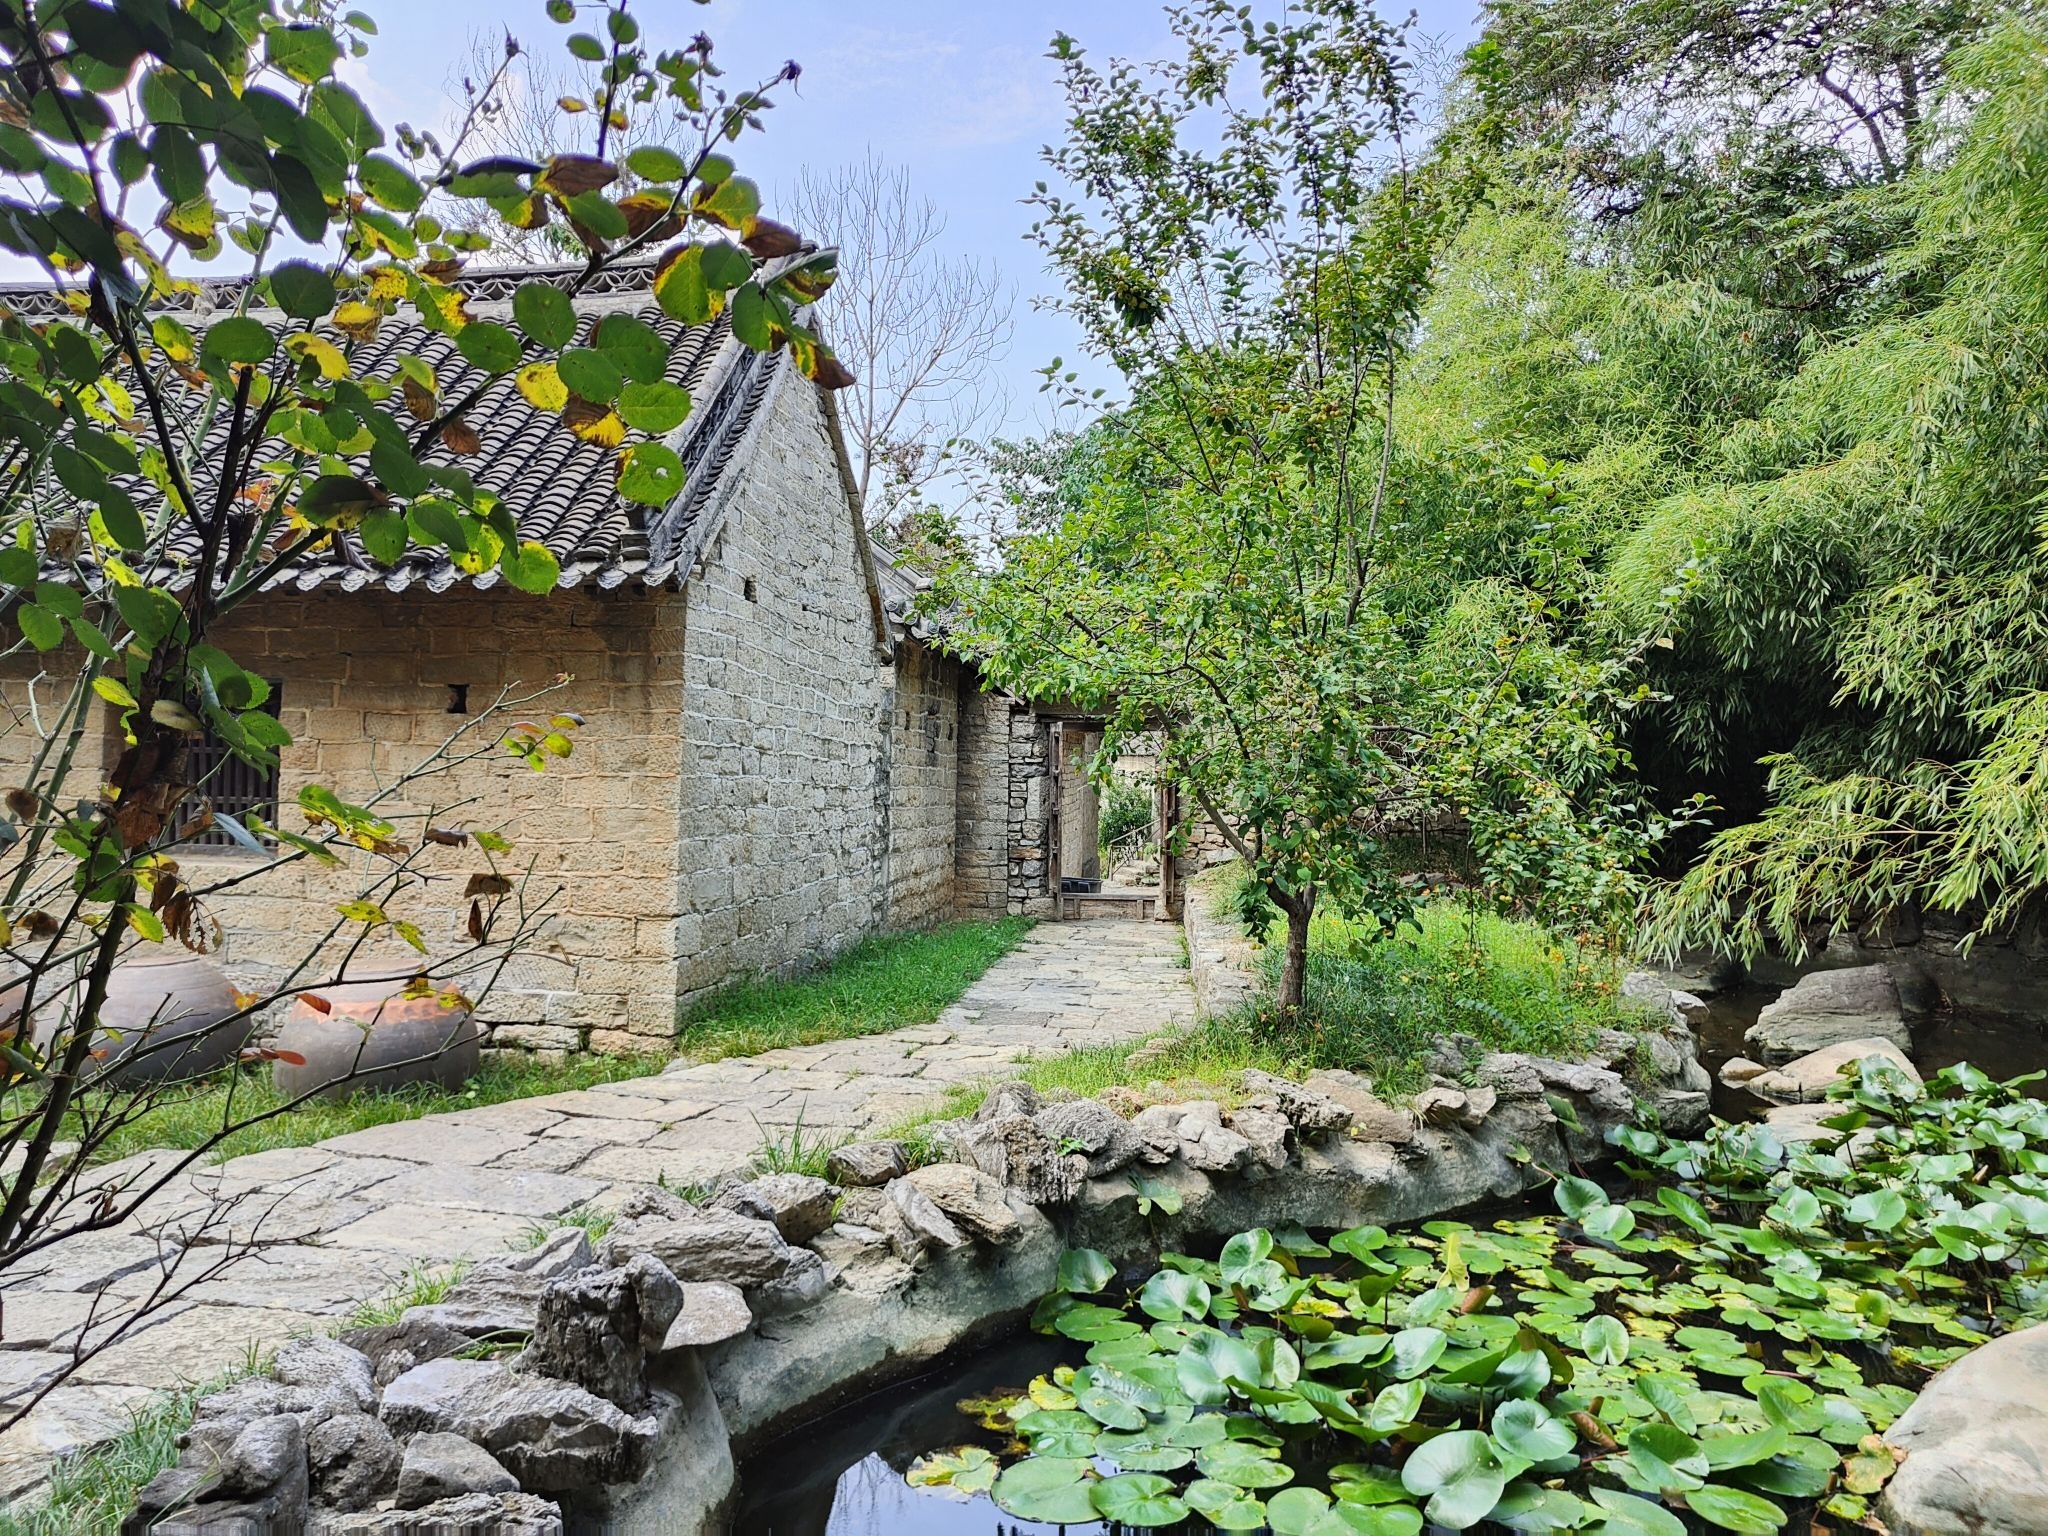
x=2003, y=1045
x=844, y=1475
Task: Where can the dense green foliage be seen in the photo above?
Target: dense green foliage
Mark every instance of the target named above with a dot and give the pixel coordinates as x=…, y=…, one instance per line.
x=1716, y=1353
x=1245, y=233
x=1381, y=1005
x=1693, y=448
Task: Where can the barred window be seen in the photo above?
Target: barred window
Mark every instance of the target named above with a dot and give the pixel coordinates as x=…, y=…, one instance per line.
x=232, y=786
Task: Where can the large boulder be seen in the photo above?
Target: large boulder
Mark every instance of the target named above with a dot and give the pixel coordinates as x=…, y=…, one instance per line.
x=1976, y=1444
x=798, y=1205
x=595, y=1328
x=1808, y=1079
x=973, y=1201
x=416, y=1338
x=1308, y=1108
x=712, y=1313
x=1828, y=1008
x=353, y=1460
x=258, y=1483
x=1095, y=1131
x=706, y=1245
x=867, y=1164
x=552, y=1435
x=500, y=1296
x=441, y=1466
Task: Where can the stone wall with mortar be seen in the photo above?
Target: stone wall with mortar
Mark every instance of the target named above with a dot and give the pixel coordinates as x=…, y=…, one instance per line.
x=1031, y=810
x=784, y=784
x=366, y=692
x=981, y=835
x=924, y=769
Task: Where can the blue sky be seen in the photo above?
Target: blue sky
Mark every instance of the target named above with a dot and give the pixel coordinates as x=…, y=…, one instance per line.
x=961, y=93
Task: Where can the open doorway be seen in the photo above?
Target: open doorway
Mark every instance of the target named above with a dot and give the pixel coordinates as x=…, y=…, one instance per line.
x=1105, y=845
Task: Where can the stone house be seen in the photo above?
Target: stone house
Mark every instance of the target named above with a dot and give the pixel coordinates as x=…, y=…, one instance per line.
x=775, y=760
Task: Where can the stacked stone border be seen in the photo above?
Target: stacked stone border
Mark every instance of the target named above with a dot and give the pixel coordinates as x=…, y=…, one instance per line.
x=648, y=1364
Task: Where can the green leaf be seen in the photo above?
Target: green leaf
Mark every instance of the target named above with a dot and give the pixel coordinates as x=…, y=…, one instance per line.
x=751, y=322
x=531, y=567
x=493, y=348
x=391, y=184
x=650, y=162
x=39, y=626
x=1605, y=1340
x=1575, y=1197
x=1085, y=1271
x=1666, y=1458
x=1243, y=1465
x=653, y=476
x=17, y=566
x=1733, y=1510
x=1243, y=1253
x=1210, y=1361
x=657, y=408
x=1142, y=1500
x=590, y=373
x=1627, y=1515
x=304, y=52
x=1416, y=1350
x=302, y=290
x=1173, y=1297
x=1051, y=1489
x=237, y=339
x=726, y=265
x=1462, y=1473
x=1524, y=1427
x=150, y=612
x=1090, y=1323
x=1528, y=1507
x=1223, y=1506
x=634, y=346
x=546, y=314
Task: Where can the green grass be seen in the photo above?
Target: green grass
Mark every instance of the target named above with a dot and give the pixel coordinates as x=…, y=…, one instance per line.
x=419, y=1285
x=882, y=983
x=1375, y=1005
x=90, y=1494
x=187, y=1116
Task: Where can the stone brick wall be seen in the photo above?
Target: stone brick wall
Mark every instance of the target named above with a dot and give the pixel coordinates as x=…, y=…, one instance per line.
x=923, y=763
x=1030, y=828
x=366, y=692
x=981, y=837
x=1080, y=805
x=783, y=786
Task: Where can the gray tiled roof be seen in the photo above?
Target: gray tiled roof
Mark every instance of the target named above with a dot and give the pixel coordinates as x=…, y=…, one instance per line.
x=562, y=490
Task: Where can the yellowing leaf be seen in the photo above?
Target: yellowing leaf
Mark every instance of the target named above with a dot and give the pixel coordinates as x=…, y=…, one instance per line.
x=358, y=321
x=304, y=344
x=542, y=386
x=388, y=282
x=594, y=423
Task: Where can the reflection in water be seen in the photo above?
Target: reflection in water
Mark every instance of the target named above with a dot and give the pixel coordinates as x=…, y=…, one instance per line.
x=843, y=1476
x=2005, y=1046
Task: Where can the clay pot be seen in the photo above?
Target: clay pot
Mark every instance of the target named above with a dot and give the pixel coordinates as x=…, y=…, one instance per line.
x=163, y=1018
x=385, y=1039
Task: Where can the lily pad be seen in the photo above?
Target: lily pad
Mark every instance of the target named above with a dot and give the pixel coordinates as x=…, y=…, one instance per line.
x=1051, y=1489
x=1140, y=1499
x=1462, y=1474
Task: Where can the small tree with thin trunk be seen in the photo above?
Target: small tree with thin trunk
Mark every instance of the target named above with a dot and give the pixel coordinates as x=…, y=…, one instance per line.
x=1244, y=235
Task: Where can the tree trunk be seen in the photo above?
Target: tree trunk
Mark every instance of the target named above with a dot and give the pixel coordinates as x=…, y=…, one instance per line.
x=1299, y=907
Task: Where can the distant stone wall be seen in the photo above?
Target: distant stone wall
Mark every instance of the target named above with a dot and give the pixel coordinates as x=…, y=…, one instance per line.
x=784, y=783
x=924, y=771
x=1080, y=806
x=981, y=823
x=1030, y=829
x=367, y=688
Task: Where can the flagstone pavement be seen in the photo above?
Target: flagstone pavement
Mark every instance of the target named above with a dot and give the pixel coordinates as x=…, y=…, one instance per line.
x=361, y=1208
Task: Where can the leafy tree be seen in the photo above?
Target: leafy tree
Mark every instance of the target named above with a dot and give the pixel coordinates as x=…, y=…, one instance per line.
x=144, y=133
x=1248, y=242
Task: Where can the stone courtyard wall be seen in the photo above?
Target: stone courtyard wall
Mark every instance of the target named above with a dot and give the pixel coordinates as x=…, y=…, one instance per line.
x=784, y=775
x=1031, y=810
x=366, y=693
x=924, y=783
x=981, y=857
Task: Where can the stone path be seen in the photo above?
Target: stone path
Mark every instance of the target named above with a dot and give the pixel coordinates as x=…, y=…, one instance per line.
x=363, y=1207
